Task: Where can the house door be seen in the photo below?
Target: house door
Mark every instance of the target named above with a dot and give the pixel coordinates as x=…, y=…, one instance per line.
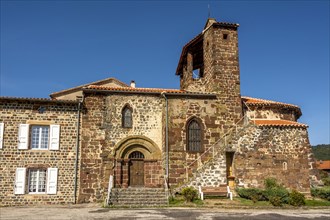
x=136, y=169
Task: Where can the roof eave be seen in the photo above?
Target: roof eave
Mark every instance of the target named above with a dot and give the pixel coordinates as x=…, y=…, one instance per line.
x=40, y=100
x=88, y=90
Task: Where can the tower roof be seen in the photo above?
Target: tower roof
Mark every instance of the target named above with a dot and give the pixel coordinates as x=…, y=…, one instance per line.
x=211, y=22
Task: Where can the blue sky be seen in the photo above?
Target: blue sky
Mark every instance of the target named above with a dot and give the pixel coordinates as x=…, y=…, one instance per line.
x=47, y=46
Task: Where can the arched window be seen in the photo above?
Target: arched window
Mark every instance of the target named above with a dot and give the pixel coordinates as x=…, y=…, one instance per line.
x=136, y=155
x=194, y=136
x=127, y=117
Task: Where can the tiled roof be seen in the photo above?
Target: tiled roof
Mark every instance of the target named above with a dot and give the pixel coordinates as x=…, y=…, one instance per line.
x=323, y=165
x=146, y=90
x=257, y=101
x=226, y=24
x=278, y=123
x=92, y=83
x=35, y=99
x=263, y=102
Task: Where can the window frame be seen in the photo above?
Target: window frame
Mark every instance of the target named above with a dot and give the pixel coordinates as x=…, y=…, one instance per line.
x=26, y=141
x=124, y=117
x=40, y=138
x=189, y=136
x=23, y=180
x=38, y=170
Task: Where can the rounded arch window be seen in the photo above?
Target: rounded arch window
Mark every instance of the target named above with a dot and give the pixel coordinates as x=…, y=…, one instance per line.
x=136, y=155
x=194, y=136
x=127, y=117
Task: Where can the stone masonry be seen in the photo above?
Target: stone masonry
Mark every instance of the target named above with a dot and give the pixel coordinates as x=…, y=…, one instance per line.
x=139, y=135
x=26, y=111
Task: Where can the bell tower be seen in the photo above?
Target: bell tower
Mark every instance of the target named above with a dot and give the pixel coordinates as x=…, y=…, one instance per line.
x=210, y=63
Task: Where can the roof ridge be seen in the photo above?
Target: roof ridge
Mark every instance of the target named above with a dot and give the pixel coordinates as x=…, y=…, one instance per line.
x=279, y=123
x=87, y=84
x=269, y=101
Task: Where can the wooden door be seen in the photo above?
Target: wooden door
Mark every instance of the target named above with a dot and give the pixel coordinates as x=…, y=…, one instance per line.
x=136, y=172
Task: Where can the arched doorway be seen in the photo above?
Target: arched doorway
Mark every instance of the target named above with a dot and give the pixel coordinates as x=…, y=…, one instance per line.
x=136, y=169
x=137, y=163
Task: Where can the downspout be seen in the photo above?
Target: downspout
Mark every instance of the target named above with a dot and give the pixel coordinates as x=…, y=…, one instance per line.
x=77, y=151
x=166, y=139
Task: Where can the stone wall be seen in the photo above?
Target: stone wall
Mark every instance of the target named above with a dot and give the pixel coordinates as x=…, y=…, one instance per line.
x=283, y=153
x=15, y=112
x=104, y=137
x=181, y=110
x=271, y=113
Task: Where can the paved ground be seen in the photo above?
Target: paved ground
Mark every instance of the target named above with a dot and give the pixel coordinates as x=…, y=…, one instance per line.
x=90, y=212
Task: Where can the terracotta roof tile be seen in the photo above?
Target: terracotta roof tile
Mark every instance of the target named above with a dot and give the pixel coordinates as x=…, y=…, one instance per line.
x=54, y=94
x=263, y=102
x=35, y=99
x=278, y=123
x=323, y=165
x=145, y=90
x=250, y=100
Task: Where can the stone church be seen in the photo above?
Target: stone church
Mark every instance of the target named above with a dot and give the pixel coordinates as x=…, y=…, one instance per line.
x=106, y=139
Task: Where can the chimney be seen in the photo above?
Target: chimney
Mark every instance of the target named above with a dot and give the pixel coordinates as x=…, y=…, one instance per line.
x=133, y=84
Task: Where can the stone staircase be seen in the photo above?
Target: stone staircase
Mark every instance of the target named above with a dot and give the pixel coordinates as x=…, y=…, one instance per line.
x=213, y=172
x=137, y=197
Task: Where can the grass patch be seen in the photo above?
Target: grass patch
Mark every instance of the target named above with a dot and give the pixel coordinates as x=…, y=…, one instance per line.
x=179, y=201
x=314, y=202
x=248, y=202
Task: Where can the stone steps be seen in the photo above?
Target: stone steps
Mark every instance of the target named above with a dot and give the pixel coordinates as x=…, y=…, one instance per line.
x=138, y=197
x=213, y=172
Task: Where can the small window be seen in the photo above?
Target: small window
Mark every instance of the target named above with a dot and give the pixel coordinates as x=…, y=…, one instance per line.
x=194, y=136
x=225, y=36
x=127, y=117
x=285, y=165
x=39, y=137
x=37, y=181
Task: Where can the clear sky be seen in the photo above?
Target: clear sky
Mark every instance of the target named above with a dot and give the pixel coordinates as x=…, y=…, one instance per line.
x=48, y=46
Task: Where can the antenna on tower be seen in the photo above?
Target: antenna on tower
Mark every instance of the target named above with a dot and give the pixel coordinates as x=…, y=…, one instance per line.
x=209, y=11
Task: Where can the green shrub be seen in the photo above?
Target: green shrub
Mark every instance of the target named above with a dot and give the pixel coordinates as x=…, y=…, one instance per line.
x=323, y=193
x=276, y=194
x=326, y=181
x=276, y=201
x=296, y=198
x=253, y=194
x=189, y=194
x=325, y=177
x=270, y=182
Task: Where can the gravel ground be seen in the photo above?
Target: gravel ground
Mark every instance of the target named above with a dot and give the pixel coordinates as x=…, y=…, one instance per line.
x=94, y=212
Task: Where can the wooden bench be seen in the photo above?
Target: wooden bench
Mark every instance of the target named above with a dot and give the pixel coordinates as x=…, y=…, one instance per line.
x=222, y=190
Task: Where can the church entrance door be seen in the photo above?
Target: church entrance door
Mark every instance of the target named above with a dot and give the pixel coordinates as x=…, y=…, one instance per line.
x=136, y=169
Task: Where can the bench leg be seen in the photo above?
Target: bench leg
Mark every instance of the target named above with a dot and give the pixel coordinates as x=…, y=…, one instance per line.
x=230, y=195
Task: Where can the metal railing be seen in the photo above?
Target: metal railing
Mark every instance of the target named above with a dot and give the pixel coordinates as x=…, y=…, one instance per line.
x=224, y=136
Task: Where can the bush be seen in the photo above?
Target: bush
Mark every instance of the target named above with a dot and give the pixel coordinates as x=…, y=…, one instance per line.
x=276, y=195
x=323, y=193
x=296, y=198
x=253, y=194
x=276, y=201
x=189, y=194
x=325, y=177
x=326, y=181
x=270, y=183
